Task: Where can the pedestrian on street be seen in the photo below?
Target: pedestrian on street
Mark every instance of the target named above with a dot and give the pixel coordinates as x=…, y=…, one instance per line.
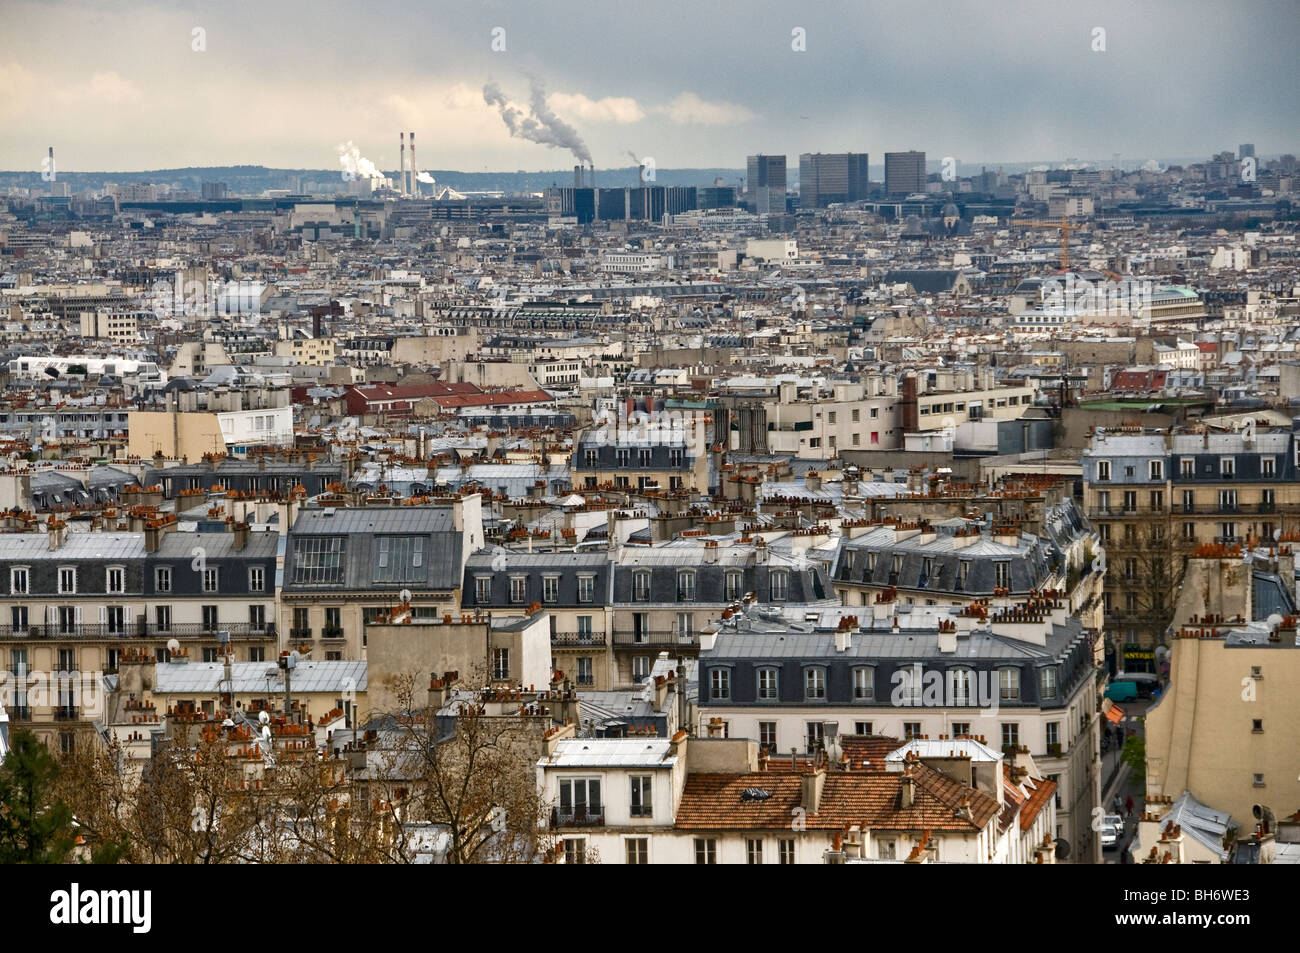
x=1117, y=804
x=1128, y=805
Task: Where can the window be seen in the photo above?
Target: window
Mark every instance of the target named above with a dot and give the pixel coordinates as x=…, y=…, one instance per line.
x=814, y=735
x=1130, y=501
x=115, y=620
x=482, y=589
x=1227, y=466
x=1047, y=683
x=720, y=684
x=1257, y=780
x=18, y=580
x=856, y=416
x=1189, y=531
x=584, y=628
x=575, y=850
x=960, y=728
x=1002, y=572
x=115, y=579
x=1053, y=734
x=163, y=618
x=18, y=619
x=210, y=620
x=501, y=664
x=518, y=589
x=1228, y=500
x=864, y=687
x=586, y=588
x=686, y=586
x=1157, y=500
x=400, y=559
x=640, y=668
x=257, y=653
x=911, y=729
x=579, y=800
x=1267, y=466
x=734, y=580
x=885, y=849
x=162, y=578
x=767, y=684
x=210, y=580
x=641, y=586
x=67, y=580
x=319, y=560
x=638, y=850
x=1257, y=725
x=706, y=850
x=586, y=674
x=210, y=655
x=1009, y=684
x=1157, y=469
x=642, y=805
x=767, y=735
x=753, y=850
x=1187, y=466
x=1130, y=568
x=550, y=588
x=780, y=585
x=1010, y=734
x=814, y=683
x=68, y=619
x=1103, y=469
x=256, y=579
x=785, y=850
x=686, y=625
x=960, y=681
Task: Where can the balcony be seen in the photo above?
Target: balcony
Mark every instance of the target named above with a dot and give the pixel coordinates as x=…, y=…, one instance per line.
x=185, y=630
x=649, y=639
x=332, y=632
x=300, y=635
x=65, y=713
x=578, y=817
x=577, y=638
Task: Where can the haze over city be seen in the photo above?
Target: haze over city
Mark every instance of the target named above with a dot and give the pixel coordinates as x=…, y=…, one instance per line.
x=120, y=86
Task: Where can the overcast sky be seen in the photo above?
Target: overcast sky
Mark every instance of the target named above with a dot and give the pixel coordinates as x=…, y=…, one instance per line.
x=116, y=85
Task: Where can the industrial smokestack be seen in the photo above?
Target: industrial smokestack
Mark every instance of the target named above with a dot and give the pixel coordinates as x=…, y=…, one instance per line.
x=640, y=175
x=593, y=175
x=401, y=172
x=577, y=176
x=415, y=182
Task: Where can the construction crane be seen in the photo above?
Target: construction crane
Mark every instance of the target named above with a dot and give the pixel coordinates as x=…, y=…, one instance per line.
x=1065, y=227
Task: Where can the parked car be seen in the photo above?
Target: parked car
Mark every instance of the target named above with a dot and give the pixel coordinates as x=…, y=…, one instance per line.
x=1112, y=829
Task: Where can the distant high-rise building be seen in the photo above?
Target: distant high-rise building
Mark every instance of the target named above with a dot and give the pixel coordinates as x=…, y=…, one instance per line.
x=1246, y=149
x=904, y=172
x=832, y=177
x=766, y=183
x=213, y=191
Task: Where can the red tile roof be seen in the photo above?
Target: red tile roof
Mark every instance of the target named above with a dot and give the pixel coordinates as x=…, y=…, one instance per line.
x=869, y=798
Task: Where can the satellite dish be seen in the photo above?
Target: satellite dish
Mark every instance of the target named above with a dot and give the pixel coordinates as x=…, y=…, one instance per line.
x=173, y=645
x=1274, y=620
x=263, y=717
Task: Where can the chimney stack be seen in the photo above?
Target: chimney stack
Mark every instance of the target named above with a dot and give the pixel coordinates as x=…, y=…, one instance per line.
x=577, y=176
x=415, y=182
x=401, y=172
x=640, y=175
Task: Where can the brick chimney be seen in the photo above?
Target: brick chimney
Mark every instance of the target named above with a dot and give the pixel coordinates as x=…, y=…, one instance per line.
x=812, y=785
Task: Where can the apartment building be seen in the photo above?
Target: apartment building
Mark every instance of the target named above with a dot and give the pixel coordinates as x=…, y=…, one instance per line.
x=706, y=800
x=73, y=601
x=574, y=588
x=1021, y=675
x=1154, y=496
x=345, y=568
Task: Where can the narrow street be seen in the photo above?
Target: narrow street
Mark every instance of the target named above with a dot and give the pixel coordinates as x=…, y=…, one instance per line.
x=1119, y=779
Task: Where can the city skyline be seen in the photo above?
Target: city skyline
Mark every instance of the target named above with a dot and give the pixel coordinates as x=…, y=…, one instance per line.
x=136, y=87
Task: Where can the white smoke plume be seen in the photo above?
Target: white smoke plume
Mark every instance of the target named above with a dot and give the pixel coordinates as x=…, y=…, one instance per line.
x=353, y=161
x=539, y=124
x=425, y=177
